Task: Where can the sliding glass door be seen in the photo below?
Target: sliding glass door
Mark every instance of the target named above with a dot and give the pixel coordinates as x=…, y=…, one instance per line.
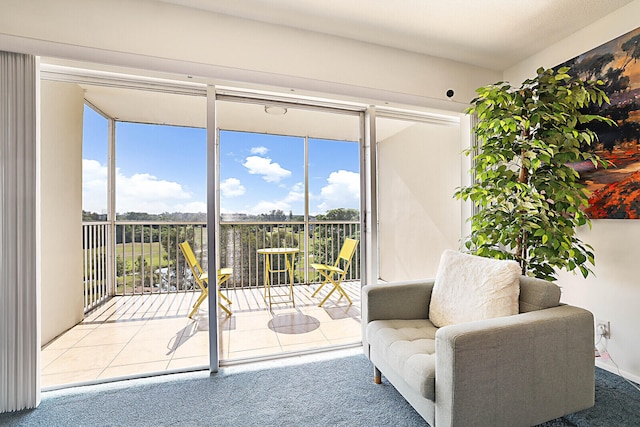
x=289, y=179
x=263, y=185
x=419, y=168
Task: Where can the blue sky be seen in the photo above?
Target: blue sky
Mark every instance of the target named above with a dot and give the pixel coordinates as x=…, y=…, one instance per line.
x=163, y=169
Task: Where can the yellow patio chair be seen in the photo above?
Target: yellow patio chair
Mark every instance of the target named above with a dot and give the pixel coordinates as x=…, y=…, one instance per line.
x=335, y=274
x=202, y=279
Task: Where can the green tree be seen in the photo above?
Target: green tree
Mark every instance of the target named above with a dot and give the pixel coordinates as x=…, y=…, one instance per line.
x=529, y=198
x=119, y=266
x=274, y=215
x=340, y=214
x=329, y=237
x=93, y=216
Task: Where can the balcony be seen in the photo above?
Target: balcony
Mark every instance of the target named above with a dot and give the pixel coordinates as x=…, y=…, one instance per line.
x=136, y=323
x=138, y=263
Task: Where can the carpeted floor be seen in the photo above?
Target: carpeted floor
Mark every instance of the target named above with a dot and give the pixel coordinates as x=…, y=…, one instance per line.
x=332, y=392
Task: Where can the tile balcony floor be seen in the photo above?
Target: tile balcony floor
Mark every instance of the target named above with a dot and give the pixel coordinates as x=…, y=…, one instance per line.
x=142, y=334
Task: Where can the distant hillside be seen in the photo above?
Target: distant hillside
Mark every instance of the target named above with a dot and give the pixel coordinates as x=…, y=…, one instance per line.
x=143, y=216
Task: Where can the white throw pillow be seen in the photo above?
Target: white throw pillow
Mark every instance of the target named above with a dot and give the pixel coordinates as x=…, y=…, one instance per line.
x=469, y=288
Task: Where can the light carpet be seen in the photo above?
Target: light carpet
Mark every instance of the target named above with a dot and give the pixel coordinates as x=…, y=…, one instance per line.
x=332, y=392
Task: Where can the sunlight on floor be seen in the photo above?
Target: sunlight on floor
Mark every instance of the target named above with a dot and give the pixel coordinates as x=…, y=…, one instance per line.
x=133, y=336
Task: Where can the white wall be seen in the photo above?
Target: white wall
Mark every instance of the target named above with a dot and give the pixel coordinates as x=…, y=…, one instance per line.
x=61, y=207
x=613, y=294
x=165, y=37
x=418, y=172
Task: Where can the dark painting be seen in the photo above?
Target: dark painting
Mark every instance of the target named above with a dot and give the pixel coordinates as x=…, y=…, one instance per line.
x=616, y=189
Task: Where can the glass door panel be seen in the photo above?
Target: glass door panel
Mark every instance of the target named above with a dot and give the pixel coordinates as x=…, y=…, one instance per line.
x=289, y=178
x=334, y=201
x=419, y=169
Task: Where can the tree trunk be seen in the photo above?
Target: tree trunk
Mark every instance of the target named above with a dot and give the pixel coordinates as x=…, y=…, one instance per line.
x=521, y=242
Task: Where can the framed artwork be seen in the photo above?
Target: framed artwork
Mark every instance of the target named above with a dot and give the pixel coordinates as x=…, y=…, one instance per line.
x=615, y=191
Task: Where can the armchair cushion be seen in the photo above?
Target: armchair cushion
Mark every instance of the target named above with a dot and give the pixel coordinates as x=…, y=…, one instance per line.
x=470, y=288
x=409, y=347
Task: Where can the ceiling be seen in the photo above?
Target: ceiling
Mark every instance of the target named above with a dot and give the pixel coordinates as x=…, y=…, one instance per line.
x=149, y=107
x=494, y=34
x=454, y=29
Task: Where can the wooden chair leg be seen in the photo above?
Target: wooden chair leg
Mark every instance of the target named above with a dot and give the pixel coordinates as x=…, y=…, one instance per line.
x=377, y=375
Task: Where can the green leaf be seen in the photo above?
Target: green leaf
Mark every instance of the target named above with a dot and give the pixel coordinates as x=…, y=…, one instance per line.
x=533, y=129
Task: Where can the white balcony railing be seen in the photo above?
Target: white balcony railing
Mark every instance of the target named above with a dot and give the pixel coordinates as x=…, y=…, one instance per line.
x=97, y=288
x=146, y=258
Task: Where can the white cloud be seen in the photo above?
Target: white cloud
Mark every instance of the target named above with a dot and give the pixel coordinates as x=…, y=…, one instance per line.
x=296, y=193
x=342, y=191
x=94, y=186
x=267, y=206
x=259, y=150
x=293, y=198
x=191, y=207
x=271, y=172
x=137, y=193
x=231, y=187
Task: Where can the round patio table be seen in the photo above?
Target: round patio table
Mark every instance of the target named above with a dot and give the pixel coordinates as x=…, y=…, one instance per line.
x=289, y=255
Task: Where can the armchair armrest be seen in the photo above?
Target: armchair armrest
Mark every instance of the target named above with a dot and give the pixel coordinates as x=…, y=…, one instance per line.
x=515, y=370
x=400, y=300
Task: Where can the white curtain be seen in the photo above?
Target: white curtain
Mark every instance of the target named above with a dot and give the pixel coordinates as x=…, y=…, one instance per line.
x=19, y=298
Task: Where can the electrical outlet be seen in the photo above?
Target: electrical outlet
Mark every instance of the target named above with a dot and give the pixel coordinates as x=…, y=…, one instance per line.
x=603, y=329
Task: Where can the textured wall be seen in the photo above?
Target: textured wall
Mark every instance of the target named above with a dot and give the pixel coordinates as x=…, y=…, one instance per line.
x=61, y=207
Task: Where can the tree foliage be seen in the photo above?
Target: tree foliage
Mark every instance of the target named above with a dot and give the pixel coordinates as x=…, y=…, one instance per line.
x=274, y=215
x=93, y=216
x=529, y=198
x=340, y=214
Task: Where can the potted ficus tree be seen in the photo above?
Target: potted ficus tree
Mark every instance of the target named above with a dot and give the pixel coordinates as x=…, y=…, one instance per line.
x=528, y=196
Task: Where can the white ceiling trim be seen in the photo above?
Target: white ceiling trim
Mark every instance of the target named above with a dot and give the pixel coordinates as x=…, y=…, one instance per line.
x=144, y=99
x=120, y=81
